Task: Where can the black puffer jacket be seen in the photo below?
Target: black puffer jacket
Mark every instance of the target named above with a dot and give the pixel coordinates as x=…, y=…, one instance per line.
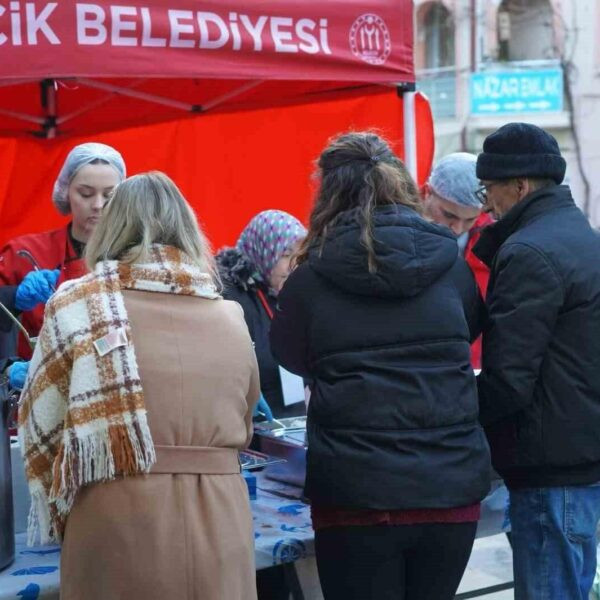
x=236, y=272
x=393, y=414
x=540, y=386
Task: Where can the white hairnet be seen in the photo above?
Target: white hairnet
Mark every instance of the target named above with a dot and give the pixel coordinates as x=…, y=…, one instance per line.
x=82, y=155
x=454, y=179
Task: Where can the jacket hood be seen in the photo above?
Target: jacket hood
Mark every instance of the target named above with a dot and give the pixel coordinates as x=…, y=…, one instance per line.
x=411, y=253
x=236, y=269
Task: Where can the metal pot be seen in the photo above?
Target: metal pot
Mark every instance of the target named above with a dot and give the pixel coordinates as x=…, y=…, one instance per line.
x=7, y=524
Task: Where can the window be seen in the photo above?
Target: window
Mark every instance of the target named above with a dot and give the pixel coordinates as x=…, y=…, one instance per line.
x=525, y=30
x=438, y=28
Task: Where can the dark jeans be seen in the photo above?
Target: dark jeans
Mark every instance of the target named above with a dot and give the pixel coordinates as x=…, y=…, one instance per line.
x=393, y=562
x=554, y=541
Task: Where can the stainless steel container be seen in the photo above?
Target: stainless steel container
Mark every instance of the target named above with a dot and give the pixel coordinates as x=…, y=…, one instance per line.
x=285, y=439
x=7, y=525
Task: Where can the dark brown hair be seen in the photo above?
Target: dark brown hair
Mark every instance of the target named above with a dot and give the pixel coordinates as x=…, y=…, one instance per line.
x=357, y=170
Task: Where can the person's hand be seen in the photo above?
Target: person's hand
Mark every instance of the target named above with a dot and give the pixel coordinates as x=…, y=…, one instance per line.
x=263, y=409
x=17, y=373
x=36, y=287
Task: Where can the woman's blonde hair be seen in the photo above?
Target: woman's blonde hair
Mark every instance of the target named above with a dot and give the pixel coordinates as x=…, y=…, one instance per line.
x=148, y=209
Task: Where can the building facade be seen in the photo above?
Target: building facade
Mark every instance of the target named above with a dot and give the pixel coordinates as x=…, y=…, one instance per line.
x=483, y=63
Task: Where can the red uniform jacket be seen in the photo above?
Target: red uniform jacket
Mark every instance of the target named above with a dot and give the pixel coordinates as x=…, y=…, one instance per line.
x=52, y=250
x=481, y=273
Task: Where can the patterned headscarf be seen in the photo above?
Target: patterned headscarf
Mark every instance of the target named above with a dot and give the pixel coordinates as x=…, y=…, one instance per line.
x=267, y=237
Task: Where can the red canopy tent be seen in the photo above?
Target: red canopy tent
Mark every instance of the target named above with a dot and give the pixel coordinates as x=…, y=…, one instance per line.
x=234, y=100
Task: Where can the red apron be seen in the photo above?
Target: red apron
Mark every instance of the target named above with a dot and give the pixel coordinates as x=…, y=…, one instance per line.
x=52, y=250
x=481, y=273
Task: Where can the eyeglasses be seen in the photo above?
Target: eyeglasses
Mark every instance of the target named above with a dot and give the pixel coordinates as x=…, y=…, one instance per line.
x=482, y=192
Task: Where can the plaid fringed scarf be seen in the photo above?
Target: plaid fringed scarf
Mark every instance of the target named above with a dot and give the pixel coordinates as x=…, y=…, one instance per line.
x=82, y=417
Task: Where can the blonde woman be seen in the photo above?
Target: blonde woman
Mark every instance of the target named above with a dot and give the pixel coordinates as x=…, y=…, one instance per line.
x=143, y=370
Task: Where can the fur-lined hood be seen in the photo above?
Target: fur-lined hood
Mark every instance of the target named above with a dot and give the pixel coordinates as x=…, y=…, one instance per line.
x=236, y=269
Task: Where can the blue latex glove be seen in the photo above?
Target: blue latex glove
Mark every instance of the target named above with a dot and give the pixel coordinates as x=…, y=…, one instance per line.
x=36, y=287
x=263, y=409
x=17, y=374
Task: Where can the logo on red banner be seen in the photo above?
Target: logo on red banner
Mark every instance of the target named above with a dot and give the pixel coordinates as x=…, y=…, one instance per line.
x=370, y=39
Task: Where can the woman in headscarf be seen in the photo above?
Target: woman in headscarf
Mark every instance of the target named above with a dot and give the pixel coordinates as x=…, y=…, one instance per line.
x=253, y=273
x=32, y=266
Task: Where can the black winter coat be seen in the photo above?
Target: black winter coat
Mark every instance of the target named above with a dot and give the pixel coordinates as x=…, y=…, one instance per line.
x=236, y=272
x=392, y=421
x=540, y=385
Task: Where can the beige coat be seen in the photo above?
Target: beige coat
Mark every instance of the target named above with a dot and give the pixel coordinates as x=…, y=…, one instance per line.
x=184, y=532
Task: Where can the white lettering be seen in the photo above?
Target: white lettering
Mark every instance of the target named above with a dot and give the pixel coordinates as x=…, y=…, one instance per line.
x=551, y=86
x=254, y=30
x=178, y=29
x=119, y=26
x=147, y=39
x=90, y=17
x=15, y=22
x=281, y=37
x=235, y=31
x=3, y=38
x=39, y=23
x=309, y=43
x=204, y=18
x=323, y=36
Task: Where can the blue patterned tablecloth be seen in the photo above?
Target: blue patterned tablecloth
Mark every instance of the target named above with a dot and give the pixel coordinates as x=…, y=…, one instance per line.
x=34, y=574
x=282, y=532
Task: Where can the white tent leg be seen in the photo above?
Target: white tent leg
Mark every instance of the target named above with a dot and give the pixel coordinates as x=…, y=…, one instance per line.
x=410, y=133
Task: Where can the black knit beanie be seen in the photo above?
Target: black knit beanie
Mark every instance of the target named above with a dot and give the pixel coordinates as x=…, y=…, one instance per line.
x=520, y=150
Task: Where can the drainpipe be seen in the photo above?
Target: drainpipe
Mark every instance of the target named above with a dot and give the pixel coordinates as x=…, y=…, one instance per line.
x=473, y=60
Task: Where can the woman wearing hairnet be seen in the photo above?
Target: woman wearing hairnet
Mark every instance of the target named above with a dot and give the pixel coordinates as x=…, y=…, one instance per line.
x=32, y=266
x=451, y=198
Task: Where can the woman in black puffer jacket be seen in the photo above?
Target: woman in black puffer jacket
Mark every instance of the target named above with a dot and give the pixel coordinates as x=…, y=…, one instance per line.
x=380, y=314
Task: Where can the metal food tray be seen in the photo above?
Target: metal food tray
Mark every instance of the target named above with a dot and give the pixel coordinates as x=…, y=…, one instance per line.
x=286, y=439
x=250, y=459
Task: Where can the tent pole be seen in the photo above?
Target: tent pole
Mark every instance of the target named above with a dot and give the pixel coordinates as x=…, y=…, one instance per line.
x=123, y=91
x=95, y=104
x=11, y=82
x=22, y=116
x=410, y=133
x=232, y=94
x=48, y=95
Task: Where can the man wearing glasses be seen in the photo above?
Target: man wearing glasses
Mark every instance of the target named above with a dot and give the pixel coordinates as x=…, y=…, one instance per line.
x=540, y=385
x=450, y=198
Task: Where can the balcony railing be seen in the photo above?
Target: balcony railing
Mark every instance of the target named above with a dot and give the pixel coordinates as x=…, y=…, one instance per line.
x=518, y=65
x=439, y=85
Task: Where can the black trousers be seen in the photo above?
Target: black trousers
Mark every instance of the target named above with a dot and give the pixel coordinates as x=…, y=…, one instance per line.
x=271, y=584
x=393, y=562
